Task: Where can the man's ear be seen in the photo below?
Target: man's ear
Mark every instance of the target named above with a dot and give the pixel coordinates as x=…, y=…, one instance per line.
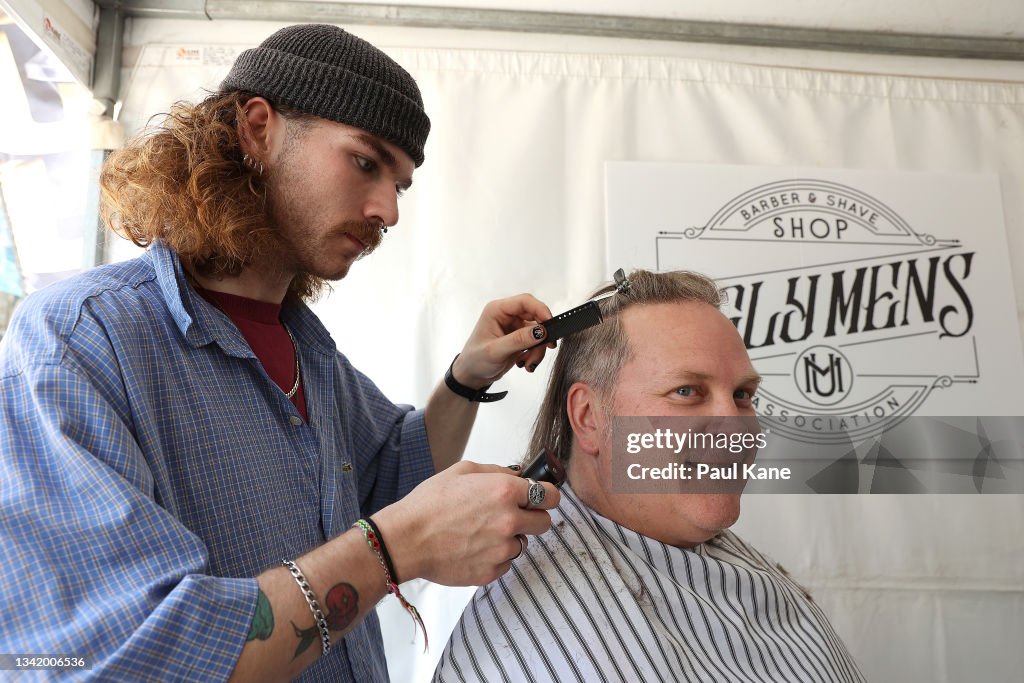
x=256, y=131
x=586, y=415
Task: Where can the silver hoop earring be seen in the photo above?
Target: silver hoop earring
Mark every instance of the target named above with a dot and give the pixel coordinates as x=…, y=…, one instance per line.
x=254, y=164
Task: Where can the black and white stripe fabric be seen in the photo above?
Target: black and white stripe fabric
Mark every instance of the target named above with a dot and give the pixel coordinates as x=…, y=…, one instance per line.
x=593, y=601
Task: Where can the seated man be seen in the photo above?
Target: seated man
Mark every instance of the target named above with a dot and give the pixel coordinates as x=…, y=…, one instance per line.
x=643, y=587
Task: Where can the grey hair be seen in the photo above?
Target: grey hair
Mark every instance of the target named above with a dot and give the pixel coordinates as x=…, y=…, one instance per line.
x=595, y=355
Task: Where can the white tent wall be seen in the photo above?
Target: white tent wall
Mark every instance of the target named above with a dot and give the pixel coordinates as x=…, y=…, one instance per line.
x=941, y=17
x=511, y=199
x=66, y=27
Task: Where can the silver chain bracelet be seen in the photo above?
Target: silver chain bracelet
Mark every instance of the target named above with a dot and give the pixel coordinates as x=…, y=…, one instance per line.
x=314, y=606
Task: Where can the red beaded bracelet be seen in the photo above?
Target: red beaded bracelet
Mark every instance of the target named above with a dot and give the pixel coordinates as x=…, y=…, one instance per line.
x=375, y=545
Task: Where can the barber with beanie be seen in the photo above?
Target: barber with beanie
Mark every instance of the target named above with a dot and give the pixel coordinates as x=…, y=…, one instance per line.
x=196, y=485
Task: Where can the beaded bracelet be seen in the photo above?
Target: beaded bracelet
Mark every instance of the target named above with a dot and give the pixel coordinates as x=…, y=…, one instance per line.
x=375, y=545
x=388, y=564
x=314, y=606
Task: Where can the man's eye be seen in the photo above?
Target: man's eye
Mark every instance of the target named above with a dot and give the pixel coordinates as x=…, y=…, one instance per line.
x=686, y=391
x=364, y=163
x=399, y=190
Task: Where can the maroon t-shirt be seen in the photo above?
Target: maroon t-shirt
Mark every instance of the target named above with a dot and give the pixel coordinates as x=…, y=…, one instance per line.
x=260, y=324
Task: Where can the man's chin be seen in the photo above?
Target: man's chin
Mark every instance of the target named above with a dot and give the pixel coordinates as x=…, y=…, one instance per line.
x=340, y=275
x=336, y=269
x=718, y=511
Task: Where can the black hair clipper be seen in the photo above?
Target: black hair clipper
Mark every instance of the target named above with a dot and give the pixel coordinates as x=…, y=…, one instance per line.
x=544, y=467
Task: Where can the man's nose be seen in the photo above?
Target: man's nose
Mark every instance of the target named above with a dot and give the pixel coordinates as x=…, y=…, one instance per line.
x=724, y=405
x=726, y=417
x=382, y=205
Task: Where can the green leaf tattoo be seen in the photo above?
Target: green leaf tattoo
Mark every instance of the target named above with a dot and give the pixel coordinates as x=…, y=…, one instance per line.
x=263, y=621
x=342, y=608
x=307, y=638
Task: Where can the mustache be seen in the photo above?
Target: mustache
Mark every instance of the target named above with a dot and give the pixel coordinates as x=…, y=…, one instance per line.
x=370, y=233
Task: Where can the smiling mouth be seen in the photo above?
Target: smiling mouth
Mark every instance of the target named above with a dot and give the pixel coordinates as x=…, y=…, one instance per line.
x=710, y=463
x=716, y=460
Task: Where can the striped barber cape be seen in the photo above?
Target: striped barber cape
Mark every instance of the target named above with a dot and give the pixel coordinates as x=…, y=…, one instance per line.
x=593, y=601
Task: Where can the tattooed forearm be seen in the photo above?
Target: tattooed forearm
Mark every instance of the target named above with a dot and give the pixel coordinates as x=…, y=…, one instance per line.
x=263, y=621
x=342, y=605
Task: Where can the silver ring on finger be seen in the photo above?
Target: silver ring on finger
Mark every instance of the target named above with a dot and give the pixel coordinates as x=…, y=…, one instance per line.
x=522, y=546
x=535, y=494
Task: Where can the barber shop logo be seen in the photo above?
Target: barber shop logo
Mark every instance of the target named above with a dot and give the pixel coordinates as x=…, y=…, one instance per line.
x=851, y=312
x=823, y=375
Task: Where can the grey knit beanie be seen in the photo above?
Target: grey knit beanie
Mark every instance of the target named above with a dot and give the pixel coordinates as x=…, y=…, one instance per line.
x=325, y=71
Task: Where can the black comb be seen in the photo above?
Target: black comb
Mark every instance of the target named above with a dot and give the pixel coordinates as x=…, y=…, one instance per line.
x=572, y=321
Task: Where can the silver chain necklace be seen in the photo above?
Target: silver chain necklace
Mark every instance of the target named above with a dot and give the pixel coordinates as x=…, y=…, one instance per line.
x=295, y=348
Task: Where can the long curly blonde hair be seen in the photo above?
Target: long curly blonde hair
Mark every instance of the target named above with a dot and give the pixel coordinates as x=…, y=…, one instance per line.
x=183, y=181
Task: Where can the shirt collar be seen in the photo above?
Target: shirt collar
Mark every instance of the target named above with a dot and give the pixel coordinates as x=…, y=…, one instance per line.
x=201, y=323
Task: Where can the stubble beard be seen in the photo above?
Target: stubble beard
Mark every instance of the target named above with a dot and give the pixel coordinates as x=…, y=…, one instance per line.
x=291, y=244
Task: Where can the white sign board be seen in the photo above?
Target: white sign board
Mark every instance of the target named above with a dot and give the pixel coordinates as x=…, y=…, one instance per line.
x=871, y=294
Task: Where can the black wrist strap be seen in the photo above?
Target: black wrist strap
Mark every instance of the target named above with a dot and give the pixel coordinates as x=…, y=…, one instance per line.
x=472, y=395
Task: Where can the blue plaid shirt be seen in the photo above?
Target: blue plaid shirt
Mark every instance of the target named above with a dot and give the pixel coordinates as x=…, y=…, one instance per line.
x=149, y=469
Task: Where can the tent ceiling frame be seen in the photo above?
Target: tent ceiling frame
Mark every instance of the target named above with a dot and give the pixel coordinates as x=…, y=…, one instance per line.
x=644, y=28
